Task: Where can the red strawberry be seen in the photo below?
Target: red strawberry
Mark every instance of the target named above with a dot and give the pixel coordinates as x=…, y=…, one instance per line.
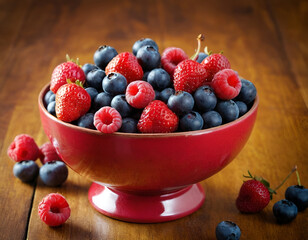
x=214, y=63
x=126, y=64
x=72, y=101
x=189, y=75
x=157, y=118
x=171, y=57
x=67, y=70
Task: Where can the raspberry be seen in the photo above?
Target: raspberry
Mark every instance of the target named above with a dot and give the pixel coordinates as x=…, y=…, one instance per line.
x=54, y=210
x=171, y=57
x=139, y=94
x=48, y=153
x=226, y=84
x=107, y=120
x=23, y=148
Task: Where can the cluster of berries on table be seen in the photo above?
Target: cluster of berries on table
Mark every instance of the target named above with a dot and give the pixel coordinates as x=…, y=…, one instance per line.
x=24, y=151
x=144, y=91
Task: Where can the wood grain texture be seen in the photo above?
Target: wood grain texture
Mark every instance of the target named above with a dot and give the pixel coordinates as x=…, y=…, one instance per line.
x=265, y=41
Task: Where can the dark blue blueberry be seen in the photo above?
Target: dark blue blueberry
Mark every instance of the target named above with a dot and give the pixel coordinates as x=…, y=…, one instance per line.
x=248, y=92
x=145, y=76
x=165, y=94
x=191, y=122
x=157, y=94
x=142, y=42
x=51, y=108
x=103, y=56
x=148, y=57
x=228, y=110
x=201, y=57
x=159, y=79
x=227, y=230
x=53, y=173
x=95, y=79
x=284, y=211
x=205, y=98
x=88, y=67
x=114, y=83
x=101, y=100
x=181, y=102
x=48, y=97
x=120, y=104
x=242, y=107
x=92, y=92
x=129, y=125
x=211, y=119
x=26, y=171
x=298, y=195
x=86, y=121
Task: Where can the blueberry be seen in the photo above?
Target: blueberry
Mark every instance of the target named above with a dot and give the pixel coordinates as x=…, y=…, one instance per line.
x=120, y=104
x=103, y=56
x=248, y=92
x=227, y=230
x=242, y=107
x=211, y=119
x=86, y=121
x=129, y=125
x=148, y=57
x=142, y=42
x=53, y=173
x=51, y=108
x=228, y=110
x=101, y=100
x=201, y=57
x=298, y=195
x=26, y=171
x=95, y=79
x=145, y=76
x=284, y=211
x=159, y=79
x=181, y=102
x=165, y=94
x=205, y=98
x=157, y=94
x=92, y=92
x=49, y=97
x=191, y=122
x=114, y=83
x=88, y=67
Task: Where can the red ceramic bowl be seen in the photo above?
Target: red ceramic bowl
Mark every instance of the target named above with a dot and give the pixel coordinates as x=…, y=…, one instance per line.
x=147, y=177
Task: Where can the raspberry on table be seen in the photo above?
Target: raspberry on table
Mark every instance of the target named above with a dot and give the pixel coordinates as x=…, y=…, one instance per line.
x=23, y=148
x=107, y=120
x=48, y=153
x=139, y=94
x=54, y=210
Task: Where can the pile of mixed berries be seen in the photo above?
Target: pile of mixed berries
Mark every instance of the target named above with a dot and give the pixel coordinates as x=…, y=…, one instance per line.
x=144, y=91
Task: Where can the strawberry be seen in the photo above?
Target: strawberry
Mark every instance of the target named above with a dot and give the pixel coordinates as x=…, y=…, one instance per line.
x=157, y=118
x=126, y=64
x=72, y=101
x=171, y=57
x=67, y=70
x=189, y=75
x=214, y=63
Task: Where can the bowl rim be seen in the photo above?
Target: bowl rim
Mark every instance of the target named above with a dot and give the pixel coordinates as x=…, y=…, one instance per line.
x=143, y=135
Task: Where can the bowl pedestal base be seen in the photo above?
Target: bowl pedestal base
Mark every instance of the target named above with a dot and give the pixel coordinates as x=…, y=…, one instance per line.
x=139, y=208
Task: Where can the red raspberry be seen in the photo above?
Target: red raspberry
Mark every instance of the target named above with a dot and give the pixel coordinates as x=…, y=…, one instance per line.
x=107, y=120
x=23, y=148
x=171, y=57
x=126, y=64
x=214, y=63
x=48, y=153
x=157, y=118
x=226, y=84
x=54, y=210
x=139, y=94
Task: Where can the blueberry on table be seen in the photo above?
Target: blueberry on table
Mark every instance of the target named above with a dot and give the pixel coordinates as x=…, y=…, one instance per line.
x=86, y=121
x=159, y=79
x=285, y=211
x=298, y=194
x=247, y=93
x=211, y=119
x=54, y=173
x=191, y=122
x=227, y=230
x=114, y=83
x=95, y=79
x=142, y=42
x=205, y=98
x=228, y=110
x=181, y=102
x=103, y=55
x=26, y=171
x=148, y=57
x=88, y=67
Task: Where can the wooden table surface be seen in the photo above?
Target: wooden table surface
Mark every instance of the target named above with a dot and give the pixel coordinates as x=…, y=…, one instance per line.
x=265, y=41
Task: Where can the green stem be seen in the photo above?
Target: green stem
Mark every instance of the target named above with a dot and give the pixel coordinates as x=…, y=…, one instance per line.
x=200, y=38
x=298, y=179
x=292, y=171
